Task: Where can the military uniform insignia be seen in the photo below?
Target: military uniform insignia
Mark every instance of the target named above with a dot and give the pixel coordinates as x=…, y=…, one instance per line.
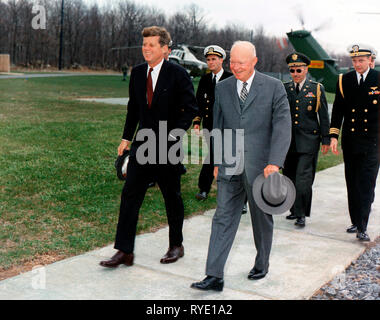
x=355, y=48
x=294, y=57
x=374, y=101
x=373, y=92
x=205, y=95
x=309, y=108
x=310, y=95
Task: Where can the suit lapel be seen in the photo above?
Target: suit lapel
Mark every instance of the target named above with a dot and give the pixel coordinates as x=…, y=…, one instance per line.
x=255, y=89
x=235, y=97
x=162, y=81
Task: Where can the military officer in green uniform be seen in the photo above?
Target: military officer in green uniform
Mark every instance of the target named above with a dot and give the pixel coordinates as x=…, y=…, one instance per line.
x=310, y=127
x=356, y=105
x=205, y=100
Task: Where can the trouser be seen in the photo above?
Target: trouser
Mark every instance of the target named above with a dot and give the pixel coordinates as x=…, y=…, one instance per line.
x=230, y=201
x=300, y=168
x=138, y=178
x=206, y=175
x=361, y=171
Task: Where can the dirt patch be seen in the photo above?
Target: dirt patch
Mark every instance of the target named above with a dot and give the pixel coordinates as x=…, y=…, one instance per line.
x=39, y=260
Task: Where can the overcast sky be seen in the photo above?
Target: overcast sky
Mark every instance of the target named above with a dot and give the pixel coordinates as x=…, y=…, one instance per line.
x=343, y=23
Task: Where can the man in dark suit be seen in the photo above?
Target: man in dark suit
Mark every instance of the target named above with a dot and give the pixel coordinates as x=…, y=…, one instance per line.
x=357, y=106
x=310, y=127
x=161, y=94
x=215, y=56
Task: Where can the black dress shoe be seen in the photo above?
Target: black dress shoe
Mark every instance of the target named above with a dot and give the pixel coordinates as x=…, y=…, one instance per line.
x=209, y=283
x=300, y=222
x=352, y=229
x=291, y=217
x=201, y=195
x=173, y=254
x=363, y=236
x=255, y=274
x=117, y=259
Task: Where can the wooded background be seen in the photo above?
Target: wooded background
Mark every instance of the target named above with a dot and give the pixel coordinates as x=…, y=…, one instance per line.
x=90, y=32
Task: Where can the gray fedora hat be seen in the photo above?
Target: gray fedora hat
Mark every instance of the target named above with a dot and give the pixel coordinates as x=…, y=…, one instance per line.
x=275, y=194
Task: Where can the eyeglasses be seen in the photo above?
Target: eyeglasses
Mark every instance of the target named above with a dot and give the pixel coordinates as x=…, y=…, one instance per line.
x=295, y=70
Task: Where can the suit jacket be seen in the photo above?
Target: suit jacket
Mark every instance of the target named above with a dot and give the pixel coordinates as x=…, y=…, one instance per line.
x=173, y=101
x=309, y=125
x=265, y=120
x=358, y=107
x=206, y=98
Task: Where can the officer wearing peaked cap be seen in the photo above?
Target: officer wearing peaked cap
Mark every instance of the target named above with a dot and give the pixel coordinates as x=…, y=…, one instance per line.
x=205, y=99
x=310, y=127
x=356, y=105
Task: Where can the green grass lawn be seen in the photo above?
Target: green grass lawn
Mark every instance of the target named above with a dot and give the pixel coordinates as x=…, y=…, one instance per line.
x=59, y=194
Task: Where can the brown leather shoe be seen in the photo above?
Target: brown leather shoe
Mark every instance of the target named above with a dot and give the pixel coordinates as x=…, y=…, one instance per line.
x=173, y=254
x=118, y=258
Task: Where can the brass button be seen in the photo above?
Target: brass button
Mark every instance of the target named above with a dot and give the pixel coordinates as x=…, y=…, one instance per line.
x=206, y=108
x=206, y=115
x=295, y=122
x=297, y=108
x=374, y=101
x=353, y=110
x=365, y=129
x=297, y=101
x=353, y=129
x=309, y=108
x=353, y=120
x=365, y=110
x=365, y=120
x=296, y=115
x=315, y=131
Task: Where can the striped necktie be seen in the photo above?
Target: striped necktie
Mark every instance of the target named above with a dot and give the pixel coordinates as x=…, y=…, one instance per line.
x=244, y=92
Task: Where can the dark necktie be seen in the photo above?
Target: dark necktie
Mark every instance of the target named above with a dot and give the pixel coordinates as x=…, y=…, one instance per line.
x=361, y=80
x=244, y=92
x=149, y=88
x=214, y=80
x=298, y=88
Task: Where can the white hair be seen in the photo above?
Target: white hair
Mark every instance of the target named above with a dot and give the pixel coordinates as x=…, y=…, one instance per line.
x=245, y=44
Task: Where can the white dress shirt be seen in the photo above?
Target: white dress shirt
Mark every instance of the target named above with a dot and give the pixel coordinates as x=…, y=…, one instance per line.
x=155, y=73
x=239, y=84
x=218, y=75
x=364, y=75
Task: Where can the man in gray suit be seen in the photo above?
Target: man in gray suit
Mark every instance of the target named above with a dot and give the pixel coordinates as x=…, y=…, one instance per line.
x=254, y=109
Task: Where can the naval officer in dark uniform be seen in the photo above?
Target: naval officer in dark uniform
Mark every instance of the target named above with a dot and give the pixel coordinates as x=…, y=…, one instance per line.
x=310, y=127
x=205, y=100
x=356, y=105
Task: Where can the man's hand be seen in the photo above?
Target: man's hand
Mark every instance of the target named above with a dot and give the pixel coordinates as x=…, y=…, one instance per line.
x=269, y=169
x=215, y=172
x=196, y=128
x=325, y=148
x=334, y=146
x=123, y=145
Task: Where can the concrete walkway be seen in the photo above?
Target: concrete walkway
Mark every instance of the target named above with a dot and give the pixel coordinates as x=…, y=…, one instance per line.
x=302, y=260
